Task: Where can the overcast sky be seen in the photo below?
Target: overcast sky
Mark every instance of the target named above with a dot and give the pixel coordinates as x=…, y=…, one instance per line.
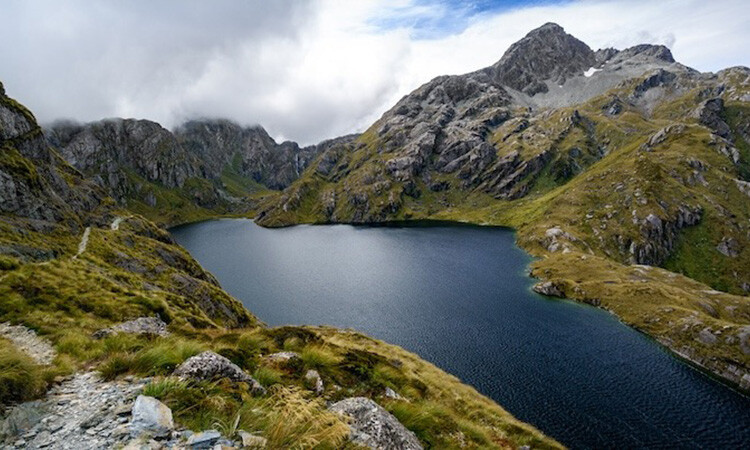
x=309, y=70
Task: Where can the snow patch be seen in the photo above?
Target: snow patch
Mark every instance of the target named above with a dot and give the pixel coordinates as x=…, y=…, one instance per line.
x=590, y=72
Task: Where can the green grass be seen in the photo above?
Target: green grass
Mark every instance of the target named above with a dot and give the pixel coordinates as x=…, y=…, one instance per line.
x=20, y=377
x=158, y=358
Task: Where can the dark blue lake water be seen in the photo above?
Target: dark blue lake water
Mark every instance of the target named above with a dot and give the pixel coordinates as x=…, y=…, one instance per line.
x=459, y=297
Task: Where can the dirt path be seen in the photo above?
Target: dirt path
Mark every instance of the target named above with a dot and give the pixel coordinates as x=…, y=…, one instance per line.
x=39, y=349
x=84, y=242
x=82, y=412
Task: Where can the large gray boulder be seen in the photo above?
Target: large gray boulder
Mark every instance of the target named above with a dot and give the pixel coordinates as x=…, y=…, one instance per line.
x=151, y=416
x=211, y=366
x=143, y=325
x=374, y=427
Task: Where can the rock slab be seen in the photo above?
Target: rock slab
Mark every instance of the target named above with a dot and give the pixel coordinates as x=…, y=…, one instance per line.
x=143, y=325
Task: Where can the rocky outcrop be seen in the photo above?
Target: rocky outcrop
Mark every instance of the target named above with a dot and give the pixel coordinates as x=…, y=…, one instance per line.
x=659, y=78
x=659, y=235
x=374, y=427
x=550, y=289
x=248, y=151
x=204, y=439
x=150, y=326
x=709, y=114
x=546, y=54
x=729, y=247
x=211, y=366
x=121, y=154
x=34, y=182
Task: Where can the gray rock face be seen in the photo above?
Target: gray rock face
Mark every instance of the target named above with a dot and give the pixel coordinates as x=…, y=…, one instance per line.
x=250, y=151
x=374, y=427
x=545, y=54
x=709, y=114
x=32, y=179
x=151, y=416
x=659, y=235
x=549, y=288
x=108, y=146
x=143, y=325
x=107, y=150
x=210, y=366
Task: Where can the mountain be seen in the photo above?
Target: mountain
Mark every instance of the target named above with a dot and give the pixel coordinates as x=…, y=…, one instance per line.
x=134, y=340
x=204, y=167
x=625, y=171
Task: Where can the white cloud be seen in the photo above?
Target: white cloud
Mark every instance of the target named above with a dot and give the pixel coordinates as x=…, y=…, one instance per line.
x=304, y=70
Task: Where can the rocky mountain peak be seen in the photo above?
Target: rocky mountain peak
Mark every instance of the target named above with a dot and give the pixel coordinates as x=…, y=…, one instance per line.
x=657, y=52
x=545, y=54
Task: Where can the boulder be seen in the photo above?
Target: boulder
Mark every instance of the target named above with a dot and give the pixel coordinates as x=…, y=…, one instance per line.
x=707, y=337
x=374, y=427
x=204, y=439
x=151, y=416
x=143, y=325
x=252, y=441
x=390, y=393
x=729, y=247
x=313, y=378
x=211, y=366
x=283, y=357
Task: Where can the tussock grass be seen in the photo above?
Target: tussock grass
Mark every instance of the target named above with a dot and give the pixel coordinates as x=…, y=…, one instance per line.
x=160, y=358
x=319, y=357
x=20, y=378
x=268, y=376
x=290, y=420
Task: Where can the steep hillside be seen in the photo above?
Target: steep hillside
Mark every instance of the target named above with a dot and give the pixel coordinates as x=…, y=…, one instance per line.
x=85, y=286
x=608, y=163
x=204, y=168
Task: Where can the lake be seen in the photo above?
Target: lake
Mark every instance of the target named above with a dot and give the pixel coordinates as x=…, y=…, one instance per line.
x=459, y=296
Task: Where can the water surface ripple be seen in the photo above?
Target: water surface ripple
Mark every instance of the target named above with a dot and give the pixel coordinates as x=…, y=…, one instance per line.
x=459, y=297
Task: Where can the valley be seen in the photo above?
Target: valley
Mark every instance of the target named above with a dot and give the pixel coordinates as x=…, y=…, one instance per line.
x=624, y=174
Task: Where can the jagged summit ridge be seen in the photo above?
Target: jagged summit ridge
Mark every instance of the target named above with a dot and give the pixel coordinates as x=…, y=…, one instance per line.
x=546, y=53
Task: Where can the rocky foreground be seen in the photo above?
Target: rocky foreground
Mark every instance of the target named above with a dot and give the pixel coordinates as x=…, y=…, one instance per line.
x=83, y=411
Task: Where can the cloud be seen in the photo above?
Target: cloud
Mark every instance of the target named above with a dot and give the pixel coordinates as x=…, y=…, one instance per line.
x=308, y=70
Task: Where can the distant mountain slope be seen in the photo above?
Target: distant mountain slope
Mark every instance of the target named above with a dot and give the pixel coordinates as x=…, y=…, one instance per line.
x=599, y=158
x=206, y=167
